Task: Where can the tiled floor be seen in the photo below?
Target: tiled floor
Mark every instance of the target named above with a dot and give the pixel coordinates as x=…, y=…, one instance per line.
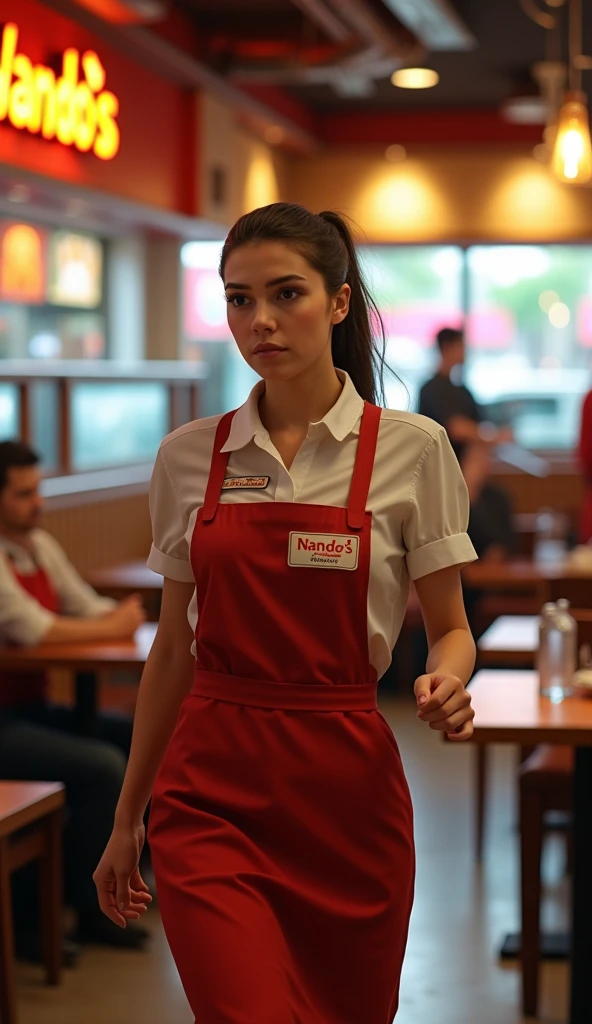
x=452, y=974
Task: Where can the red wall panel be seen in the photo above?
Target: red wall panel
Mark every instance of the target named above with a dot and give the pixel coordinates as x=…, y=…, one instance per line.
x=156, y=119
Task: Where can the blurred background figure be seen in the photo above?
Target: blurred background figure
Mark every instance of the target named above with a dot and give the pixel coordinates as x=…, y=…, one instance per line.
x=44, y=599
x=491, y=519
x=585, y=457
x=447, y=400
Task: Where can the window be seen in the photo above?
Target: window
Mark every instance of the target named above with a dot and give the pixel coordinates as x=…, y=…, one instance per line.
x=418, y=290
x=51, y=294
x=205, y=331
x=118, y=423
x=527, y=312
x=528, y=317
x=529, y=329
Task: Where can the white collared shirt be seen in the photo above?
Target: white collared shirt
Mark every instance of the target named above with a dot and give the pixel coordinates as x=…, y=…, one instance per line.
x=23, y=620
x=418, y=497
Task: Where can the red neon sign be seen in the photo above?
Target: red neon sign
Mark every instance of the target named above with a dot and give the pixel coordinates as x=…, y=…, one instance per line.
x=79, y=113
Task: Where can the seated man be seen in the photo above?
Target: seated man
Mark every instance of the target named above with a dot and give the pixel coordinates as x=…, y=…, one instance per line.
x=44, y=600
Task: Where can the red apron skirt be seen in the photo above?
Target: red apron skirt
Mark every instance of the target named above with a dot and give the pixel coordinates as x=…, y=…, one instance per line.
x=281, y=824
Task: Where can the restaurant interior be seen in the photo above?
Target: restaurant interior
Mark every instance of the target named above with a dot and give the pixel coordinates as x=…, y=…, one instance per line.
x=455, y=137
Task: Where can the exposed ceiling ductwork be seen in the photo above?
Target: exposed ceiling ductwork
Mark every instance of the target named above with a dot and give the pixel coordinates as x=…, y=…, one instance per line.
x=435, y=22
x=367, y=47
x=369, y=41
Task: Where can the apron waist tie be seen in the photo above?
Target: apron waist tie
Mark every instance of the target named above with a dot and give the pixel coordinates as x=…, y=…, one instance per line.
x=265, y=693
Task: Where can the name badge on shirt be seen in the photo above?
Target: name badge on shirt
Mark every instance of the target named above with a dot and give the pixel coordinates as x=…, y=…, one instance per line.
x=323, y=550
x=245, y=483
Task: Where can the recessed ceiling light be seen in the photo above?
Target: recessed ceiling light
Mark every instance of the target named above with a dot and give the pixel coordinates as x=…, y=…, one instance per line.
x=415, y=78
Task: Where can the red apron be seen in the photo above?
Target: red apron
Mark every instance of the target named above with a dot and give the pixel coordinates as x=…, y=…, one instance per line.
x=29, y=687
x=281, y=826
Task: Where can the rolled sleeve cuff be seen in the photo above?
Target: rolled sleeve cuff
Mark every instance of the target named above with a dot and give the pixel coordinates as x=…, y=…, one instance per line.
x=173, y=568
x=440, y=554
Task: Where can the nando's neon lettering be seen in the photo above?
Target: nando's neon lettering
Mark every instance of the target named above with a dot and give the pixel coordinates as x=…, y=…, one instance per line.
x=76, y=111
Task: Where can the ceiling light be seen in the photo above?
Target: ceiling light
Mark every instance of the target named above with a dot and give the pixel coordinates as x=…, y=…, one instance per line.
x=572, y=153
x=415, y=78
x=395, y=154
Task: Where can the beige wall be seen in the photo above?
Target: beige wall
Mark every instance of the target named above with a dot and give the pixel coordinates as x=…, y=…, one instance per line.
x=444, y=195
x=255, y=173
x=102, y=533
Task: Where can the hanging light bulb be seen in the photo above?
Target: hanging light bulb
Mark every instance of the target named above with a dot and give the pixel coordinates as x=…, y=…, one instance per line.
x=572, y=150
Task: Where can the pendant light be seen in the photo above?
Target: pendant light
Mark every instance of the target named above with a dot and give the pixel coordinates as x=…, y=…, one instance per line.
x=572, y=149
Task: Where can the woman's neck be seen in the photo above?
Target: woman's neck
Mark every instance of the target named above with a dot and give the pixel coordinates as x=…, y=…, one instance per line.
x=289, y=406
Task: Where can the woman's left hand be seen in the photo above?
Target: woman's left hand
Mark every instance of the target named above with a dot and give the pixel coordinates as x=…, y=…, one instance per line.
x=445, y=704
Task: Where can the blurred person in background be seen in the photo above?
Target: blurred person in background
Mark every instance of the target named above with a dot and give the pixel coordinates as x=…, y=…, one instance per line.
x=585, y=458
x=450, y=403
x=43, y=599
x=490, y=520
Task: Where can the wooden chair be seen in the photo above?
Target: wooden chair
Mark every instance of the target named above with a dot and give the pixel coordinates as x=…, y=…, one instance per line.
x=30, y=829
x=546, y=780
x=583, y=617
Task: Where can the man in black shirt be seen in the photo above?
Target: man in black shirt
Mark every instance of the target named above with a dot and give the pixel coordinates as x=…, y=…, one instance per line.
x=453, y=405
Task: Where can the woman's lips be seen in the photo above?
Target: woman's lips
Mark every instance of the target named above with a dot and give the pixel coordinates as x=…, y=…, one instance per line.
x=269, y=353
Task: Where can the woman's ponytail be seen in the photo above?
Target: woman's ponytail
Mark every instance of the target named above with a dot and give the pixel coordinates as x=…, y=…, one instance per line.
x=359, y=342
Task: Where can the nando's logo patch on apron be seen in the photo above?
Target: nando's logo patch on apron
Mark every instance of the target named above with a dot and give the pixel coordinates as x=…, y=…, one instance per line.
x=245, y=483
x=323, y=550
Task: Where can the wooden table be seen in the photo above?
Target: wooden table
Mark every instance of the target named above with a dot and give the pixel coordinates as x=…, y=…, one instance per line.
x=86, y=660
x=511, y=640
x=30, y=829
x=508, y=709
x=119, y=581
x=521, y=575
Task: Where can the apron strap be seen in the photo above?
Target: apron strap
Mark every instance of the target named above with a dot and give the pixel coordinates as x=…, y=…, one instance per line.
x=217, y=468
x=362, y=475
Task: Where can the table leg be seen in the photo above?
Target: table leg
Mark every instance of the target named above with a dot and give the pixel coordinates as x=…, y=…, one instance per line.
x=86, y=703
x=581, y=990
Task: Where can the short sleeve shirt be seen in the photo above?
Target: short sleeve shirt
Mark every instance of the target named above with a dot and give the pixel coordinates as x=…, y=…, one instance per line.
x=23, y=620
x=418, y=497
x=440, y=400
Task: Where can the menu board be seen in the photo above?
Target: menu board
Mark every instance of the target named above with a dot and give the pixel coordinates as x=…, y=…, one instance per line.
x=75, y=270
x=23, y=263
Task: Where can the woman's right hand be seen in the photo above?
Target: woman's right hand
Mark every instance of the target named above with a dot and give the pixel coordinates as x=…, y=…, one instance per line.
x=123, y=894
x=127, y=617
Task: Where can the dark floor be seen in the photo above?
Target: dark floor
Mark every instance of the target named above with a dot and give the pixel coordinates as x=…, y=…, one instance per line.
x=452, y=973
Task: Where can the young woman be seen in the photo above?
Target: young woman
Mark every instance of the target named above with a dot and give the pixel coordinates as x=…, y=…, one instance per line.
x=281, y=824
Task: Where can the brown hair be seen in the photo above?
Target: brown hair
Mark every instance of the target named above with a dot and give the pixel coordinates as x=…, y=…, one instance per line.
x=325, y=241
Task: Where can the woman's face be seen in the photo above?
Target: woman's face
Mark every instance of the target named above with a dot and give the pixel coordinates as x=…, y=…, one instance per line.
x=279, y=311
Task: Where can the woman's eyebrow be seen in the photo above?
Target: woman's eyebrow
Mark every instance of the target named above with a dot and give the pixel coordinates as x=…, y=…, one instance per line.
x=270, y=284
